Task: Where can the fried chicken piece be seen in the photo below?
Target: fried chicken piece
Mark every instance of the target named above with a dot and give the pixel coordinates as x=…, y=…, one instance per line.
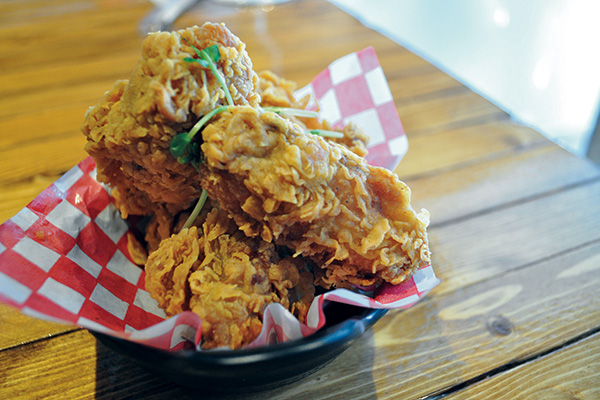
x=316, y=197
x=129, y=131
x=276, y=91
x=279, y=92
x=354, y=138
x=227, y=279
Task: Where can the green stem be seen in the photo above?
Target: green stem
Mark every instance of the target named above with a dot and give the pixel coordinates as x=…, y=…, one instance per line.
x=324, y=133
x=190, y=221
x=204, y=120
x=217, y=75
x=292, y=112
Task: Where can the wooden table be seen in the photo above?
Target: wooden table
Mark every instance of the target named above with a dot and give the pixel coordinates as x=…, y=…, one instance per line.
x=515, y=227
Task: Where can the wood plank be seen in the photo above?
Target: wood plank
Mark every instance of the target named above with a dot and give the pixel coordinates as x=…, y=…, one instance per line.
x=428, y=116
x=97, y=370
x=83, y=95
x=436, y=152
x=449, y=339
x=14, y=197
x=570, y=373
x=52, y=77
x=50, y=157
x=62, y=46
x=446, y=339
x=410, y=89
x=42, y=362
x=512, y=237
x=41, y=126
x=486, y=185
x=25, y=329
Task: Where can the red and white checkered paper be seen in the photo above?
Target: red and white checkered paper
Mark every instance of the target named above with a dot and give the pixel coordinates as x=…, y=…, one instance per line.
x=64, y=257
x=354, y=89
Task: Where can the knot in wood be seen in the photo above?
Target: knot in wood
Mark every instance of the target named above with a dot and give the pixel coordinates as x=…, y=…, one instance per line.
x=499, y=326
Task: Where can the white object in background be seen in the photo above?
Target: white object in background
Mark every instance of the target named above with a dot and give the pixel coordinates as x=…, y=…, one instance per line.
x=538, y=59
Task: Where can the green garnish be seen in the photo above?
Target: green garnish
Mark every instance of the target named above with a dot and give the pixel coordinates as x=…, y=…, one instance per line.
x=190, y=221
x=182, y=146
x=324, y=133
x=292, y=112
x=208, y=57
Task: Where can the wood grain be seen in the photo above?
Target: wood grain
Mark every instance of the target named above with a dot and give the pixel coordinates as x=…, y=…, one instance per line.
x=26, y=329
x=570, y=373
x=42, y=360
x=514, y=231
x=449, y=148
x=444, y=340
x=511, y=177
x=493, y=243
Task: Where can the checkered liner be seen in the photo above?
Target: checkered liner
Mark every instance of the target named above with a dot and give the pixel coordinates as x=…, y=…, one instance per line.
x=354, y=89
x=64, y=257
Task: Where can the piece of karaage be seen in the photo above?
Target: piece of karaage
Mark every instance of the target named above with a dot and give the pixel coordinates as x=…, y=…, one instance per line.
x=296, y=189
x=227, y=279
x=280, y=197
x=130, y=130
x=279, y=92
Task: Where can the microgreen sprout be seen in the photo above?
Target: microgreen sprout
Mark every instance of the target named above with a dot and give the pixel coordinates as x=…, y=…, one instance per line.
x=324, y=133
x=190, y=221
x=292, y=112
x=182, y=146
x=208, y=57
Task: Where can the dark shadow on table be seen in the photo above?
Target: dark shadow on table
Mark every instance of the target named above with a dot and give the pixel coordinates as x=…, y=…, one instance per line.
x=119, y=378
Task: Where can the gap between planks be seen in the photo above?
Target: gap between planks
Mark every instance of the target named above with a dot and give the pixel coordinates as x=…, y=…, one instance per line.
x=515, y=202
x=42, y=339
x=507, y=153
x=525, y=356
x=509, y=366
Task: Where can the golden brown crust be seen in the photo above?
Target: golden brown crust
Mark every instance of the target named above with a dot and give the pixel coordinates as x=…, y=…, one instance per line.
x=227, y=279
x=275, y=91
x=318, y=198
x=129, y=131
x=279, y=92
x=272, y=183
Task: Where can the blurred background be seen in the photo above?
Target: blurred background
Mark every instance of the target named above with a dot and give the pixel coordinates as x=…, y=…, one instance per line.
x=537, y=59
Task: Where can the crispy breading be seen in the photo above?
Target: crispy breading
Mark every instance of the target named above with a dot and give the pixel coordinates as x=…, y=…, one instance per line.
x=129, y=131
x=279, y=92
x=274, y=184
x=316, y=197
x=227, y=279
